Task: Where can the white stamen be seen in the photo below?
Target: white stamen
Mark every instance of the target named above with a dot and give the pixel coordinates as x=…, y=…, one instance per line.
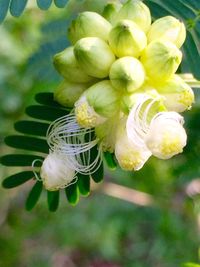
x=67, y=137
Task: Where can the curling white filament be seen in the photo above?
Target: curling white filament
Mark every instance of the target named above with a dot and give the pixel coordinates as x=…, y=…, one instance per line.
x=68, y=138
x=161, y=133
x=139, y=118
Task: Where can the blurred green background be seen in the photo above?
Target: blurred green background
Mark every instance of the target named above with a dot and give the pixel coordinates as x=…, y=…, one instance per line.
x=102, y=230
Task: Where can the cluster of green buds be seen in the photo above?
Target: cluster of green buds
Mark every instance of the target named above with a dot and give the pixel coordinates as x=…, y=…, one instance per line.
x=120, y=81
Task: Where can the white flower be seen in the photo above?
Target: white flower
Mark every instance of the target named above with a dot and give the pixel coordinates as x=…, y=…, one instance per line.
x=160, y=132
x=66, y=137
x=166, y=136
x=55, y=172
x=130, y=156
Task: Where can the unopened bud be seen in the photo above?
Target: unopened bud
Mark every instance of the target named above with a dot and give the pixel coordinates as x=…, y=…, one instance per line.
x=98, y=103
x=168, y=28
x=94, y=56
x=127, y=74
x=110, y=11
x=89, y=24
x=66, y=64
x=136, y=11
x=56, y=172
x=127, y=39
x=161, y=59
x=67, y=93
x=178, y=96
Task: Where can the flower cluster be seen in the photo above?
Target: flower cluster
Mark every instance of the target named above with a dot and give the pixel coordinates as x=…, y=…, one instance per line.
x=120, y=81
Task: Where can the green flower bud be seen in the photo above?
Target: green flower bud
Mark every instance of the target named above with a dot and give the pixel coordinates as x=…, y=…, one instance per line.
x=161, y=60
x=94, y=56
x=168, y=28
x=110, y=11
x=98, y=103
x=66, y=64
x=136, y=11
x=89, y=24
x=127, y=74
x=127, y=39
x=178, y=96
x=67, y=93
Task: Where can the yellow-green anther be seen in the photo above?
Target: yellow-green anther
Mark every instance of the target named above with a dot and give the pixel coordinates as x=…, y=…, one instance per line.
x=98, y=103
x=67, y=93
x=136, y=11
x=66, y=64
x=168, y=28
x=94, y=56
x=89, y=24
x=178, y=95
x=127, y=39
x=110, y=11
x=127, y=74
x=161, y=59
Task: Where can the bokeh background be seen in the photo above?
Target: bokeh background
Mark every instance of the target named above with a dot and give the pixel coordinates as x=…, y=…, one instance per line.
x=146, y=218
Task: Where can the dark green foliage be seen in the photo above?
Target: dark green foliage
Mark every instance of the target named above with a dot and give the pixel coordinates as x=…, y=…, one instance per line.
x=27, y=143
x=83, y=184
x=98, y=175
x=53, y=200
x=110, y=160
x=46, y=99
x=17, y=179
x=34, y=195
x=72, y=193
x=44, y=4
x=60, y=3
x=17, y=7
x=14, y=160
x=31, y=127
x=45, y=113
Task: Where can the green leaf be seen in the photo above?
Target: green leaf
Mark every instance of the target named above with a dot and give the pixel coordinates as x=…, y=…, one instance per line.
x=27, y=143
x=44, y=4
x=109, y=158
x=34, y=195
x=4, y=5
x=83, y=184
x=191, y=56
x=17, y=179
x=17, y=7
x=60, y=3
x=53, y=200
x=46, y=99
x=72, y=194
x=20, y=160
x=32, y=127
x=190, y=264
x=98, y=175
x=45, y=113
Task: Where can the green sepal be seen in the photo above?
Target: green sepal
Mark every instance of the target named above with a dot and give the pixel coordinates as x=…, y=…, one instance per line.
x=31, y=127
x=17, y=179
x=14, y=160
x=83, y=184
x=34, y=195
x=53, y=200
x=72, y=194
